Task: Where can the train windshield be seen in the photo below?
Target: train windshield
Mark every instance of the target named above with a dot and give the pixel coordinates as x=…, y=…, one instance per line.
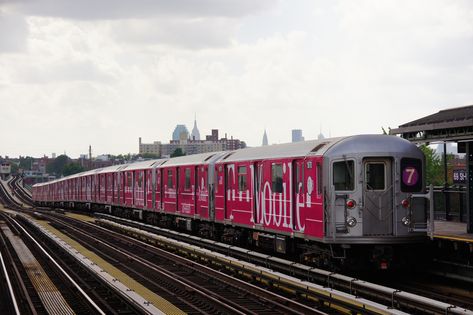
x=343, y=175
x=411, y=175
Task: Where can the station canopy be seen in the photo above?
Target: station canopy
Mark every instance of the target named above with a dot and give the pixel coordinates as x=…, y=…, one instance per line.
x=455, y=124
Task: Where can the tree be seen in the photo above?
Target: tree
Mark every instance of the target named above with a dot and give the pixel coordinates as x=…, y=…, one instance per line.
x=72, y=168
x=58, y=164
x=178, y=152
x=26, y=162
x=149, y=156
x=433, y=166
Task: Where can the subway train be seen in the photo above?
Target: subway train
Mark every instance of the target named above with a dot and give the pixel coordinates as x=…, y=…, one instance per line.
x=343, y=201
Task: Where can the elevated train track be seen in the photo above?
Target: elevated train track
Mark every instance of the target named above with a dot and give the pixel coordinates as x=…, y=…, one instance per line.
x=391, y=297
x=395, y=298
x=192, y=287
x=19, y=191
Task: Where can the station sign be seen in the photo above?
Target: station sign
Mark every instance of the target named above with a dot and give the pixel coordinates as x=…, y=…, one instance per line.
x=459, y=176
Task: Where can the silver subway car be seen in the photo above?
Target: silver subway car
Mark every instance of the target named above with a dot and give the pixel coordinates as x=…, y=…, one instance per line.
x=371, y=179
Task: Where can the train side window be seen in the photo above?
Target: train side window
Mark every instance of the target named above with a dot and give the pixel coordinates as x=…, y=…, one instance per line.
x=140, y=179
x=375, y=176
x=319, y=179
x=276, y=175
x=242, y=186
x=188, y=179
x=129, y=179
x=343, y=175
x=170, y=181
x=299, y=176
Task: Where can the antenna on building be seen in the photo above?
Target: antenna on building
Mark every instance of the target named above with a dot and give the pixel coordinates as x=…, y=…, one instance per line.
x=90, y=152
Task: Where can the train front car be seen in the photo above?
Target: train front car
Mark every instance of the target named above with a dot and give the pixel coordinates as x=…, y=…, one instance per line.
x=368, y=182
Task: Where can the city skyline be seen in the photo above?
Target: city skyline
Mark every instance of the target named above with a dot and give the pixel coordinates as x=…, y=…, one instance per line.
x=93, y=73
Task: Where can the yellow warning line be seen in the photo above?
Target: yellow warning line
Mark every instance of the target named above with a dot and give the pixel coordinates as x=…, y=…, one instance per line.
x=454, y=238
x=161, y=303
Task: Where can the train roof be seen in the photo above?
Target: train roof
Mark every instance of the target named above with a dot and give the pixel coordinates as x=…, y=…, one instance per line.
x=296, y=149
x=204, y=158
x=374, y=144
x=142, y=165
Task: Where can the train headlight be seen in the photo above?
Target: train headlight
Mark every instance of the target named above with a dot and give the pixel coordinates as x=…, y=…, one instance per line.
x=406, y=221
x=351, y=221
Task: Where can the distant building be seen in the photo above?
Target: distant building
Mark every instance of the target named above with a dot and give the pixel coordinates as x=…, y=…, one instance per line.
x=150, y=148
x=195, y=135
x=189, y=146
x=213, y=136
x=297, y=135
x=320, y=136
x=265, y=138
x=5, y=169
x=180, y=133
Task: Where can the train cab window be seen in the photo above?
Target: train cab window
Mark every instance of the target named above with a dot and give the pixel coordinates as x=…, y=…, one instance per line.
x=242, y=186
x=343, y=175
x=276, y=175
x=170, y=181
x=375, y=176
x=187, y=183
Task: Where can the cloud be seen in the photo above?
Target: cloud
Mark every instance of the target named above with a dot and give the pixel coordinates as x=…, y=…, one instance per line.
x=123, y=9
x=196, y=33
x=62, y=73
x=13, y=32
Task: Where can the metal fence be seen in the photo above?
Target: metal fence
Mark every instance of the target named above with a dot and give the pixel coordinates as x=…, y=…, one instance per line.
x=450, y=203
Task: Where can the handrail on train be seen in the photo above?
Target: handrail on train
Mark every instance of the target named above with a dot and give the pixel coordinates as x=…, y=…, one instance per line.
x=429, y=196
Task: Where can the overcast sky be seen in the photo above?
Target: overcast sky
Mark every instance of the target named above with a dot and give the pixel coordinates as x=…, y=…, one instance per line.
x=74, y=73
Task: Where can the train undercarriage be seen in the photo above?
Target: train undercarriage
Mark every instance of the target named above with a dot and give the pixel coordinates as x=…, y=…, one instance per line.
x=334, y=257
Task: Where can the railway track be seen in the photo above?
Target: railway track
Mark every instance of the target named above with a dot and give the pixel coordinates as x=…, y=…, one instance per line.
x=41, y=286
x=81, y=291
x=393, y=297
x=192, y=287
x=21, y=193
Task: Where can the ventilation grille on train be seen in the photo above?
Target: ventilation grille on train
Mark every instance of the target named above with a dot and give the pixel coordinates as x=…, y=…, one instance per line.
x=318, y=147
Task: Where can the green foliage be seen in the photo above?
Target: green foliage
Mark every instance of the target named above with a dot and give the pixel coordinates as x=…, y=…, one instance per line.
x=14, y=168
x=177, y=152
x=57, y=165
x=149, y=156
x=72, y=168
x=26, y=162
x=434, y=166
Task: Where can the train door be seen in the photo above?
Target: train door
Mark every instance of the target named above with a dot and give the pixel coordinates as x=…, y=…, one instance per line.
x=297, y=193
x=186, y=190
x=202, y=192
x=378, y=197
x=257, y=180
x=226, y=191
x=219, y=193
x=159, y=190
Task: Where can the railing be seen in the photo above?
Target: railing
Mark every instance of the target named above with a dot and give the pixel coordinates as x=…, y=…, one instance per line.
x=450, y=203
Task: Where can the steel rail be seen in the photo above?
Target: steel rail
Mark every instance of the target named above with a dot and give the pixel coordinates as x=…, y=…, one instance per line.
x=392, y=297
x=82, y=292
x=10, y=287
x=270, y=297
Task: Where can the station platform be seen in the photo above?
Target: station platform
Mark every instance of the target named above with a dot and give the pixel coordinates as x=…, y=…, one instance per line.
x=453, y=231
